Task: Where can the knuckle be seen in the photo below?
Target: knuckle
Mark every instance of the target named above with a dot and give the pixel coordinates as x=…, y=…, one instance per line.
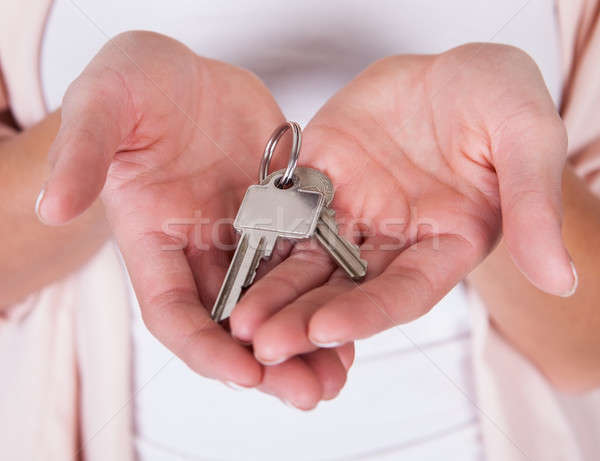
x=509, y=54
x=491, y=57
x=135, y=36
x=100, y=87
x=313, y=255
x=157, y=308
x=415, y=283
x=188, y=348
x=535, y=125
x=282, y=281
x=164, y=240
x=97, y=82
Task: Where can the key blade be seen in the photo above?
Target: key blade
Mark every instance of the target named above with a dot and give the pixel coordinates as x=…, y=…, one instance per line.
x=346, y=254
x=251, y=248
x=259, y=255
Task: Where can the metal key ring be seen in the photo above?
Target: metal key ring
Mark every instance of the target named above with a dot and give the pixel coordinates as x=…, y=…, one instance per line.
x=270, y=148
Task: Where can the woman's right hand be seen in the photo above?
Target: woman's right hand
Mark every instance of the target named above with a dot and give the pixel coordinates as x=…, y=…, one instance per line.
x=171, y=141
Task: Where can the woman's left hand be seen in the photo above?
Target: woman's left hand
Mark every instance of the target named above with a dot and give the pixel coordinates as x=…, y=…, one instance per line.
x=435, y=155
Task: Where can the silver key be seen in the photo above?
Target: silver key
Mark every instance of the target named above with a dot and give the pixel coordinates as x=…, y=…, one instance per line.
x=309, y=179
x=345, y=253
x=266, y=213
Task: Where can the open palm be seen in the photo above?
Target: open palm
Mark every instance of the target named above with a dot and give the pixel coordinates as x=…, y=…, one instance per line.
x=435, y=156
x=171, y=141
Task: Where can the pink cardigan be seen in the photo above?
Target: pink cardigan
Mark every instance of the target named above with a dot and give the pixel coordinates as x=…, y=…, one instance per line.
x=65, y=352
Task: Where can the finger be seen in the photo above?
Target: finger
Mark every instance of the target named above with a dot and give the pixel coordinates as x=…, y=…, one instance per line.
x=329, y=369
x=294, y=382
x=285, y=334
x=97, y=116
x=307, y=266
x=529, y=160
x=413, y=283
x=172, y=311
x=346, y=354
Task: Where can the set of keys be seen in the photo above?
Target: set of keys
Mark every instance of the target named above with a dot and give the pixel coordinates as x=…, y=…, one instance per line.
x=292, y=203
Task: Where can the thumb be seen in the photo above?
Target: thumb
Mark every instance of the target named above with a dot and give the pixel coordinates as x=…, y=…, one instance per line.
x=97, y=115
x=529, y=160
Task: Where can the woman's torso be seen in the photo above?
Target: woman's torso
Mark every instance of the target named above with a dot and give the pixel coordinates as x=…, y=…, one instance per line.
x=409, y=394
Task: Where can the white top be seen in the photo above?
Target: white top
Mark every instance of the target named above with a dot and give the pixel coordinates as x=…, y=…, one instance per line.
x=410, y=393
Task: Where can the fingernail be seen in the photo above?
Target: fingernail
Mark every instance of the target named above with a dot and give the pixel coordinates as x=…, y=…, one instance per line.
x=234, y=386
x=243, y=342
x=326, y=345
x=273, y=362
x=575, y=282
x=38, y=202
x=288, y=403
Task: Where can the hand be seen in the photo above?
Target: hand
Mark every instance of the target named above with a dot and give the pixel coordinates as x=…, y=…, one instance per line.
x=163, y=134
x=435, y=155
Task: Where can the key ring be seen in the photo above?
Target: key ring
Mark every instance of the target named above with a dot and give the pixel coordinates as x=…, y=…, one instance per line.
x=263, y=171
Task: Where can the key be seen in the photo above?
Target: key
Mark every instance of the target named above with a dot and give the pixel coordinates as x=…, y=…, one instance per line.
x=345, y=253
x=309, y=179
x=266, y=213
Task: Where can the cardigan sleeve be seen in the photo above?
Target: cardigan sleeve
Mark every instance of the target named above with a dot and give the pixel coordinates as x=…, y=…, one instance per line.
x=580, y=37
x=21, y=29
x=5, y=128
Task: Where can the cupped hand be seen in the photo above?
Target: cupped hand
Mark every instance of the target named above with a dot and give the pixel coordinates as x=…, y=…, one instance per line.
x=435, y=157
x=171, y=141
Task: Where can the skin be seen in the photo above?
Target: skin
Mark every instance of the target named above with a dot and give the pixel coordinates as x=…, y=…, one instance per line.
x=564, y=346
x=140, y=127
x=36, y=255
x=470, y=140
x=455, y=148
